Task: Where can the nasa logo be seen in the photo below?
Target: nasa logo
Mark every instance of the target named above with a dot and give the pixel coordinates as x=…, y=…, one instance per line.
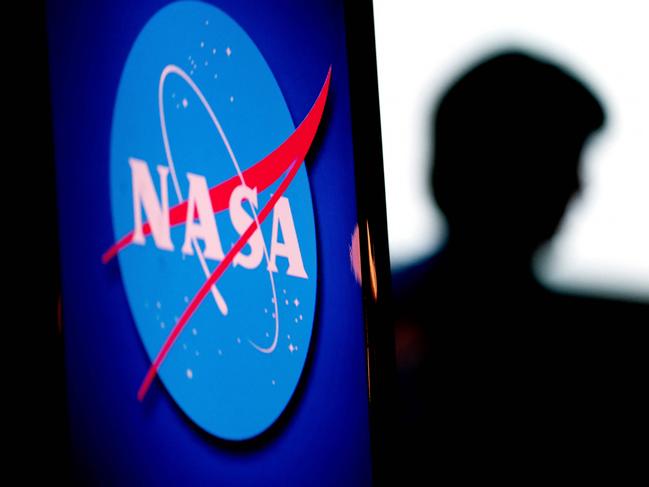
x=213, y=219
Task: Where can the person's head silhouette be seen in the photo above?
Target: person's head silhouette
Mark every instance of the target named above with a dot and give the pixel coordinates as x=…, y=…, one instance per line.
x=507, y=142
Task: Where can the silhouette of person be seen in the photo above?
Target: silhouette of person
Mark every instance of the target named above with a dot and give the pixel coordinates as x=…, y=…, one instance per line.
x=494, y=369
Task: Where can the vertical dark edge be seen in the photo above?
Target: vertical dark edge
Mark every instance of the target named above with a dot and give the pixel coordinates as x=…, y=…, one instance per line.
x=51, y=443
x=370, y=190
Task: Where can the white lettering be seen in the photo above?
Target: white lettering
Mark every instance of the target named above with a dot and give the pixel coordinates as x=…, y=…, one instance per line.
x=290, y=248
x=241, y=221
x=145, y=197
x=198, y=202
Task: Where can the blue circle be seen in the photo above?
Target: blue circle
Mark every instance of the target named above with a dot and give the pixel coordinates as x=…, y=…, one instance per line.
x=214, y=372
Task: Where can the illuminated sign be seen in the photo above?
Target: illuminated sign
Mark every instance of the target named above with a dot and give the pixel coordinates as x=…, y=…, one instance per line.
x=213, y=219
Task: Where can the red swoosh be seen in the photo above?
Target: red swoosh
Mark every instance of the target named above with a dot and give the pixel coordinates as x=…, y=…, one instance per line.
x=261, y=175
x=289, y=155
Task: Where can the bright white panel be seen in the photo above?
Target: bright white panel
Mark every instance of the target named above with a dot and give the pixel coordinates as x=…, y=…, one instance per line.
x=422, y=45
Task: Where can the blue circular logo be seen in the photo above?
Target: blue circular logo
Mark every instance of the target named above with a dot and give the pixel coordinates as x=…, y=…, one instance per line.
x=213, y=219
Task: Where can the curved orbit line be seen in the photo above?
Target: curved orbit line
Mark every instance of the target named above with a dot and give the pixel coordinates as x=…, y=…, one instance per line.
x=297, y=145
x=173, y=69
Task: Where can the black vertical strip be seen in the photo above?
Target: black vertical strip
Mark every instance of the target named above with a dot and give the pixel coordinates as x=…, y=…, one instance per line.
x=42, y=390
x=370, y=190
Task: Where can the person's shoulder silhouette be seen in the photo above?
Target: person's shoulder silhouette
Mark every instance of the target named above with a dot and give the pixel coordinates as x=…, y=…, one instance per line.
x=479, y=341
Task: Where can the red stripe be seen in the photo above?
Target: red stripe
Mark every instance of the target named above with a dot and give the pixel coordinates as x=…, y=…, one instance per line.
x=296, y=145
x=261, y=175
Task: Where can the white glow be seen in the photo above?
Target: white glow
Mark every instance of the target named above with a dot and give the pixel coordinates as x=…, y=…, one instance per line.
x=422, y=45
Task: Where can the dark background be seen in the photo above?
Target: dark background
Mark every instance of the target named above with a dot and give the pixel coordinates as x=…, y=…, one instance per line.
x=35, y=393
